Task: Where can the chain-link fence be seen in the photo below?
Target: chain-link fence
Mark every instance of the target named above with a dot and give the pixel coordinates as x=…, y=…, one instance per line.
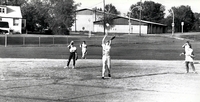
x=56, y=40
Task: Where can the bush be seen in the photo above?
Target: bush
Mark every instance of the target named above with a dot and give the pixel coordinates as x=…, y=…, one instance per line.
x=64, y=31
x=47, y=31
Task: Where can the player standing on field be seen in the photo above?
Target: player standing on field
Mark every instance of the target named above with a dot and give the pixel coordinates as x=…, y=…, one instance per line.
x=72, y=50
x=84, y=49
x=106, y=46
x=189, y=59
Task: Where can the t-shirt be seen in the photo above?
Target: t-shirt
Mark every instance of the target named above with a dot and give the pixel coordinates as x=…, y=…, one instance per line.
x=106, y=49
x=84, y=46
x=188, y=54
x=72, y=48
x=187, y=47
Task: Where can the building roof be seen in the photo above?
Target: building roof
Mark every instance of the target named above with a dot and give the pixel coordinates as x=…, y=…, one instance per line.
x=12, y=12
x=87, y=11
x=143, y=21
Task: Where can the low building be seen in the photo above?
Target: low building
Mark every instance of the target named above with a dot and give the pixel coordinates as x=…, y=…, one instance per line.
x=90, y=20
x=12, y=15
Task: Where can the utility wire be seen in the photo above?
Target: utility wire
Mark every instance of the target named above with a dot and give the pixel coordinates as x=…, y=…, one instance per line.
x=95, y=4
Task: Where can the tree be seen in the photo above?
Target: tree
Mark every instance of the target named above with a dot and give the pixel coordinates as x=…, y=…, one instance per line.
x=97, y=9
x=196, y=26
x=183, y=14
x=151, y=11
x=53, y=14
x=62, y=14
x=110, y=13
x=35, y=15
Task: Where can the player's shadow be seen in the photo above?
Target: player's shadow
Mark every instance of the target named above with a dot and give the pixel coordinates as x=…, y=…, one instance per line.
x=144, y=75
x=86, y=67
x=96, y=67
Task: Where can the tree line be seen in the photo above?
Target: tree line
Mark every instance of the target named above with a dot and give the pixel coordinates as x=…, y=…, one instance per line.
x=59, y=15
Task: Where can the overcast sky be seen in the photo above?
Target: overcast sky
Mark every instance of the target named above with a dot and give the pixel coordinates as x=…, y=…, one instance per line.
x=124, y=5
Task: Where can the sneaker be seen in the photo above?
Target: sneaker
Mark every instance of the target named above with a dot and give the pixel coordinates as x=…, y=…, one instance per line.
x=73, y=67
x=66, y=67
x=102, y=77
x=109, y=75
x=195, y=72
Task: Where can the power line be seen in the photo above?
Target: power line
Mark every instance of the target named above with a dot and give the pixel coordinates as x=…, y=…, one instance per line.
x=96, y=4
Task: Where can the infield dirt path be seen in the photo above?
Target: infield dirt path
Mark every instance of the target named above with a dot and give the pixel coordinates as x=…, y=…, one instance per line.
x=45, y=80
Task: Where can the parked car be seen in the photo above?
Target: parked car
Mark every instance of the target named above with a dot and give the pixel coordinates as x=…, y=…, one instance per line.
x=4, y=27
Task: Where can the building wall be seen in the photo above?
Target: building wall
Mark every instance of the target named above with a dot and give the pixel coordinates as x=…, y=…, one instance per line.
x=16, y=29
x=86, y=18
x=155, y=29
x=85, y=21
x=122, y=29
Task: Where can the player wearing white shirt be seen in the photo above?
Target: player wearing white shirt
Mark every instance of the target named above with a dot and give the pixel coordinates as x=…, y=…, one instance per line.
x=72, y=50
x=187, y=45
x=189, y=59
x=106, y=56
x=84, y=49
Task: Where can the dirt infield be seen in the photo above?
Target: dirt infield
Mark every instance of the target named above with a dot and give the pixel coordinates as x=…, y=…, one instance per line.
x=45, y=80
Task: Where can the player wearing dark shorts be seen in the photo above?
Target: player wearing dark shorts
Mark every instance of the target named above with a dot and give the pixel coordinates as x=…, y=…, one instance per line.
x=72, y=55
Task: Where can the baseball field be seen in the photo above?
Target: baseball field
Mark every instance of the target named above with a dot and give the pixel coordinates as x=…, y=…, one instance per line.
x=144, y=69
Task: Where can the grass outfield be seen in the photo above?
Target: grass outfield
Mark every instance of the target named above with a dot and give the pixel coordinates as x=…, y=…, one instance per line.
x=45, y=80
x=148, y=47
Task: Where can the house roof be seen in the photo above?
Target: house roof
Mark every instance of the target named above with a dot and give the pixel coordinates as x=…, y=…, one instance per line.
x=12, y=12
x=133, y=19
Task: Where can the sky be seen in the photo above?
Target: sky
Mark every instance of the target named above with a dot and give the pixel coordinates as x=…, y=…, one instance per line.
x=124, y=5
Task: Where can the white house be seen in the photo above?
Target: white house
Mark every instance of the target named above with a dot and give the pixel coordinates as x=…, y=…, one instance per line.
x=12, y=15
x=90, y=20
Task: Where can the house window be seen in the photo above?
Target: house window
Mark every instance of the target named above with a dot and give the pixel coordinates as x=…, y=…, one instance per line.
x=2, y=10
x=15, y=22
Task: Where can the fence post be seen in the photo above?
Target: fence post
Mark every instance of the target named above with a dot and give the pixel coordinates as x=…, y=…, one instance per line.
x=23, y=41
x=128, y=38
x=5, y=40
x=53, y=39
x=67, y=39
x=39, y=41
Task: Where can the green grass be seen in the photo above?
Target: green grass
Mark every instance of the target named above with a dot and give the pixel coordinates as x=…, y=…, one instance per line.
x=148, y=47
x=193, y=37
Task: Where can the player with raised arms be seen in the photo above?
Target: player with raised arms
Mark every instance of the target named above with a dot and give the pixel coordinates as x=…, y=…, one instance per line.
x=106, y=60
x=72, y=55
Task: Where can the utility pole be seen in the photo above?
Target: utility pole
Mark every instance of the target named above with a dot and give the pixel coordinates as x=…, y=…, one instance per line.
x=104, y=29
x=140, y=17
x=6, y=2
x=182, y=24
x=172, y=22
x=129, y=21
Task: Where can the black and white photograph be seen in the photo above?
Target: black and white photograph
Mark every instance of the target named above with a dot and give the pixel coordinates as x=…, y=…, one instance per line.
x=99, y=51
